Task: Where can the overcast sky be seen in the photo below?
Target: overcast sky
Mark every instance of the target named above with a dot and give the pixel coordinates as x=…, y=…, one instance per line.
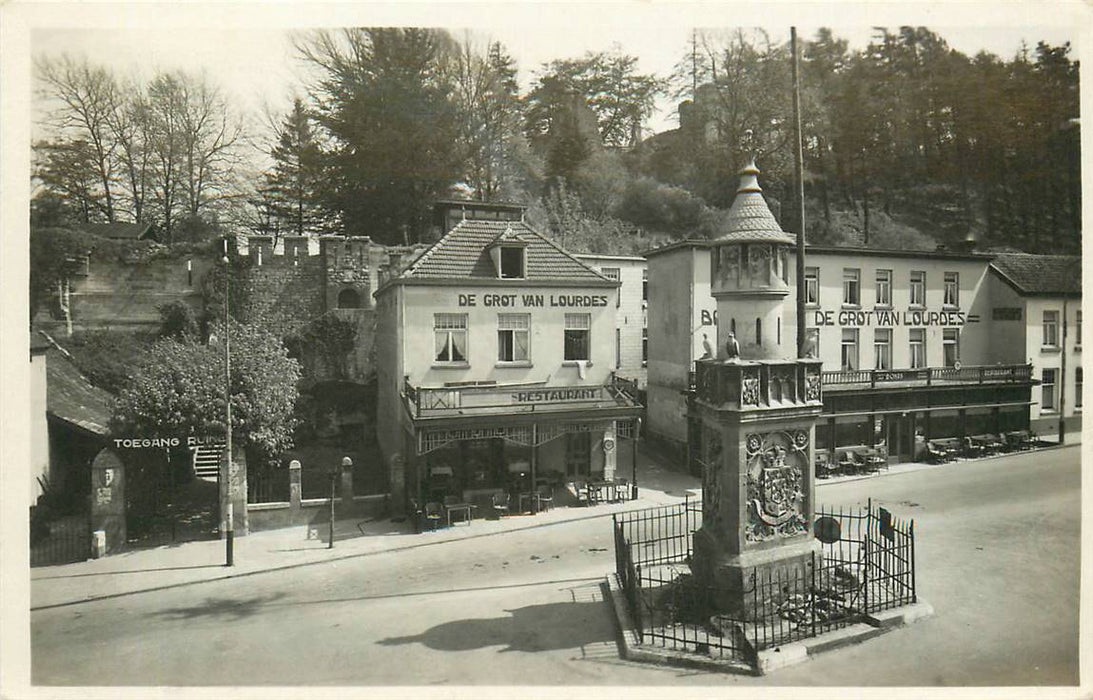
x=258, y=66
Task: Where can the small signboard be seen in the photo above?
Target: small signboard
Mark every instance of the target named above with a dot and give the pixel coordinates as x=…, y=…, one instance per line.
x=827, y=529
x=886, y=530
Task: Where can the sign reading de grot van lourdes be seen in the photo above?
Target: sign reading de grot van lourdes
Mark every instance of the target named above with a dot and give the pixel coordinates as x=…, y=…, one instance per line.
x=533, y=300
x=136, y=443
x=882, y=318
x=888, y=317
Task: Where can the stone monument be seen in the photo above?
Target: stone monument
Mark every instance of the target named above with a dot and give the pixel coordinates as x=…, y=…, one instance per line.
x=756, y=413
x=107, y=502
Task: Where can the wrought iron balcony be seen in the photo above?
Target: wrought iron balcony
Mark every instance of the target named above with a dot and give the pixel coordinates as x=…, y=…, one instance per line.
x=927, y=376
x=846, y=380
x=487, y=398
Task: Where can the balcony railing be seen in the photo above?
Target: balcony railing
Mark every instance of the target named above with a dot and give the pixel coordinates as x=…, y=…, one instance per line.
x=424, y=402
x=929, y=376
x=925, y=376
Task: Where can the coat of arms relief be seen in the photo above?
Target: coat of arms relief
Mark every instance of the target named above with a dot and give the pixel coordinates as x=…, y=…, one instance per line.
x=776, y=464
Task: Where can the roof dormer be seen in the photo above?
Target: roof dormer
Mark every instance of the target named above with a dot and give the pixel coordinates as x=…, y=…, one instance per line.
x=509, y=254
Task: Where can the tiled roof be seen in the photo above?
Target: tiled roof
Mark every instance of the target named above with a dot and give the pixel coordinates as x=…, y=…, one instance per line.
x=70, y=397
x=464, y=253
x=118, y=229
x=750, y=219
x=1041, y=274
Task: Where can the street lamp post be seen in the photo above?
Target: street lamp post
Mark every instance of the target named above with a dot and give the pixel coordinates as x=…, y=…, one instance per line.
x=229, y=520
x=634, y=457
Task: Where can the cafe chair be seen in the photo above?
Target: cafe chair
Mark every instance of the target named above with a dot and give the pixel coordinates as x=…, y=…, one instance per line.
x=500, y=504
x=545, y=494
x=434, y=514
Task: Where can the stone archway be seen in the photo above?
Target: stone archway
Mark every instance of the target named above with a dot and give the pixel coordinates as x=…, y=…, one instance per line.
x=349, y=298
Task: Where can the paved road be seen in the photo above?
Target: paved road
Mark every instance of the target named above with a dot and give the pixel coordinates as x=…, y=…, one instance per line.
x=998, y=552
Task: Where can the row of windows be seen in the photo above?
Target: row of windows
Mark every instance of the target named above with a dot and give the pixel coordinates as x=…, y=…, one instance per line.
x=882, y=287
x=1049, y=397
x=882, y=347
x=1051, y=329
x=615, y=273
x=513, y=338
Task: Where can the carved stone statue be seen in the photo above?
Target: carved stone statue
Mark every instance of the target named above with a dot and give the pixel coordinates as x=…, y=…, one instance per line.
x=732, y=347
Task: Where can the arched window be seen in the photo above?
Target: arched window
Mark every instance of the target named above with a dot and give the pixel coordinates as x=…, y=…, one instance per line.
x=349, y=299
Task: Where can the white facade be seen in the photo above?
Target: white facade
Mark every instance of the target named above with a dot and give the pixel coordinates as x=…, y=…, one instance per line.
x=631, y=327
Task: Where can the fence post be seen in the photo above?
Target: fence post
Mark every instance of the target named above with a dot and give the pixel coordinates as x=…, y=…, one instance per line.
x=812, y=595
x=914, y=592
x=294, y=485
x=868, y=557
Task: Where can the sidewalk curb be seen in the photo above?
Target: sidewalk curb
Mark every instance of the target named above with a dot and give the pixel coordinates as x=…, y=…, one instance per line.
x=325, y=560
x=781, y=656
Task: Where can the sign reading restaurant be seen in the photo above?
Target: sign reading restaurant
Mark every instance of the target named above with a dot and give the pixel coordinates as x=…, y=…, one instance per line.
x=556, y=395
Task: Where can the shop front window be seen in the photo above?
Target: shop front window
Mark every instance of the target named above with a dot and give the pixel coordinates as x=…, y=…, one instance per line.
x=450, y=333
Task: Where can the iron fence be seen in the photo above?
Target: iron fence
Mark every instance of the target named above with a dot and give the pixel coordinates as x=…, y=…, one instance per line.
x=865, y=564
x=60, y=540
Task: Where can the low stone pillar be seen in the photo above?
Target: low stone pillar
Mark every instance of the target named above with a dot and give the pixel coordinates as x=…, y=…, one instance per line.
x=295, y=471
x=108, y=500
x=345, y=487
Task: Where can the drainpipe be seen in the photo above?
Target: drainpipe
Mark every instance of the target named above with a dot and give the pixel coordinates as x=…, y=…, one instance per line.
x=1062, y=383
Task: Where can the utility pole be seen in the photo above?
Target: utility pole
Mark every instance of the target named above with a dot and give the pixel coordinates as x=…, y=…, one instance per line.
x=229, y=520
x=799, y=174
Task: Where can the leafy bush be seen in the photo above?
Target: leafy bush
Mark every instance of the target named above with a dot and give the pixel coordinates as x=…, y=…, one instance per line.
x=177, y=388
x=177, y=319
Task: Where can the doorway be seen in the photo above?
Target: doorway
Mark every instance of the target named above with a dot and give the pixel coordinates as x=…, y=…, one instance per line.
x=578, y=455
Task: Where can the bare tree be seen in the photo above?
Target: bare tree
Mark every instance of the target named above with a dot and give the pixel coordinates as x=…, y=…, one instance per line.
x=87, y=97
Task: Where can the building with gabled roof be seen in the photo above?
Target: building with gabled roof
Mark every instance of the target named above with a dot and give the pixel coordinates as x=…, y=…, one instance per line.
x=1036, y=318
x=495, y=366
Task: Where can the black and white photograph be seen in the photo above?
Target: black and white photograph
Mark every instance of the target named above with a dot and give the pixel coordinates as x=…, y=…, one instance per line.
x=635, y=349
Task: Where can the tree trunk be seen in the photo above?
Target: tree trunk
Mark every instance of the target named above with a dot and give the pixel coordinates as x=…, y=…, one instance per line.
x=865, y=216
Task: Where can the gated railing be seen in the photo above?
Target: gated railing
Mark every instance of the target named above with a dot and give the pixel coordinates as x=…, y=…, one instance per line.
x=929, y=376
x=865, y=565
